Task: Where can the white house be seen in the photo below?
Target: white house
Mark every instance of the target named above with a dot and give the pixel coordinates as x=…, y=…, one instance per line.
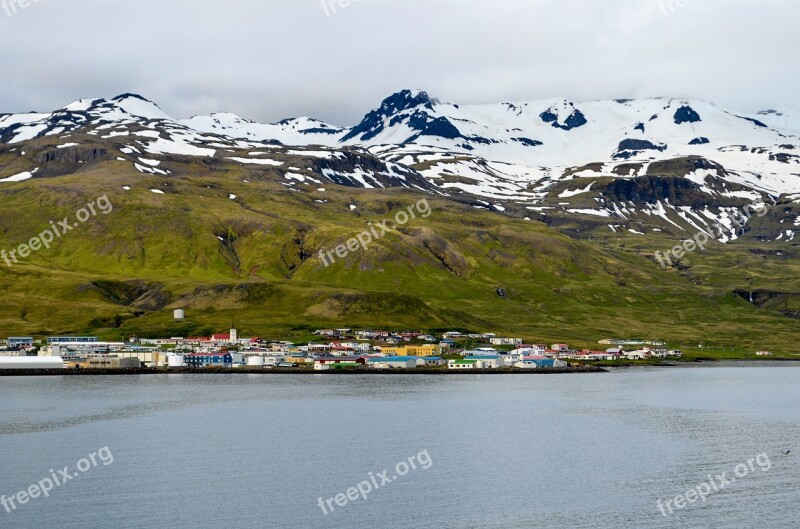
x=358, y=347
x=515, y=356
x=485, y=361
x=489, y=362
x=462, y=364
x=526, y=364
x=641, y=354
x=505, y=341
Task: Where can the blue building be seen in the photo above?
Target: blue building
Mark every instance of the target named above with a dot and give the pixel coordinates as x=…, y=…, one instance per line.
x=55, y=340
x=541, y=362
x=18, y=342
x=434, y=361
x=209, y=360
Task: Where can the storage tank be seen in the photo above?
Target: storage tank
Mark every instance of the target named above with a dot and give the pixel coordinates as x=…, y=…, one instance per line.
x=255, y=361
x=176, y=361
x=179, y=314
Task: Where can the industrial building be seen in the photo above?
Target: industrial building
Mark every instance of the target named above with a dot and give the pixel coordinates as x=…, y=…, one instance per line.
x=112, y=362
x=393, y=362
x=31, y=362
x=71, y=339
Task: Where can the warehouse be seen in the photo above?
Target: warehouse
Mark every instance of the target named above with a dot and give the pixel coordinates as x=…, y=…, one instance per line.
x=393, y=362
x=31, y=362
x=112, y=362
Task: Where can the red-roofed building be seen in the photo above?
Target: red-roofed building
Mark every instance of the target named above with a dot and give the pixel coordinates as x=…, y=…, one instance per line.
x=594, y=355
x=231, y=337
x=338, y=348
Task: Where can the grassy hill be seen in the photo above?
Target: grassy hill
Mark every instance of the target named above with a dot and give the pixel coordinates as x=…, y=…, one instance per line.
x=231, y=243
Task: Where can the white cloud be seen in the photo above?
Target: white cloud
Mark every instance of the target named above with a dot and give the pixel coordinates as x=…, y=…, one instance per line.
x=272, y=59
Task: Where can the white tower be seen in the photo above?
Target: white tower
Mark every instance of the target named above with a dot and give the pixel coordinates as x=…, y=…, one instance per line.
x=234, y=336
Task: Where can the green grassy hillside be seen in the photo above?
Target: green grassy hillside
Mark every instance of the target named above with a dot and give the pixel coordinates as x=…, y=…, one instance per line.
x=254, y=259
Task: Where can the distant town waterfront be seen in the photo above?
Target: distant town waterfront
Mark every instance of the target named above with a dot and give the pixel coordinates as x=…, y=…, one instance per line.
x=329, y=350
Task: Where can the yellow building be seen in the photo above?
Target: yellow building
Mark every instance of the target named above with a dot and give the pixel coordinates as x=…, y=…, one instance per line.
x=425, y=350
x=395, y=351
x=412, y=350
x=299, y=359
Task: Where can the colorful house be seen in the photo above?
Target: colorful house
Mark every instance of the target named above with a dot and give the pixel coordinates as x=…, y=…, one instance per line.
x=412, y=350
x=462, y=364
x=208, y=360
x=537, y=362
x=434, y=361
x=486, y=361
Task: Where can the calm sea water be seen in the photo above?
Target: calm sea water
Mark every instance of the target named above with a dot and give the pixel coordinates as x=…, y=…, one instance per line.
x=566, y=451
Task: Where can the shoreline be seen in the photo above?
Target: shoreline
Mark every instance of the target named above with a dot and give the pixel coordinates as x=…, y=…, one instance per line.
x=293, y=371
x=709, y=362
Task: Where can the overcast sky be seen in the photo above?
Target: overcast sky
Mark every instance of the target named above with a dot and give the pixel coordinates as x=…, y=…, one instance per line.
x=272, y=59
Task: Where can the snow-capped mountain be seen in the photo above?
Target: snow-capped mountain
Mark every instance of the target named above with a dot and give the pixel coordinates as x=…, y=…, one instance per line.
x=295, y=131
x=546, y=139
x=676, y=164
x=786, y=119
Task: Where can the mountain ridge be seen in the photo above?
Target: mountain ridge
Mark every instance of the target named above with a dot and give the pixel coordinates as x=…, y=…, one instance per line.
x=526, y=159
x=563, y=248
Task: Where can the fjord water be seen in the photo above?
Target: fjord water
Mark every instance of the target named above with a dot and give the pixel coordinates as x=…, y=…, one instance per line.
x=523, y=451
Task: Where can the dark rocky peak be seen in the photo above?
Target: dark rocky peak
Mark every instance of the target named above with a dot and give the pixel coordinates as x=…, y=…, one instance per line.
x=566, y=118
x=686, y=114
x=373, y=123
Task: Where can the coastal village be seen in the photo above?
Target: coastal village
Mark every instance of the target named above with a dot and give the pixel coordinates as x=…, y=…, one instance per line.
x=332, y=349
